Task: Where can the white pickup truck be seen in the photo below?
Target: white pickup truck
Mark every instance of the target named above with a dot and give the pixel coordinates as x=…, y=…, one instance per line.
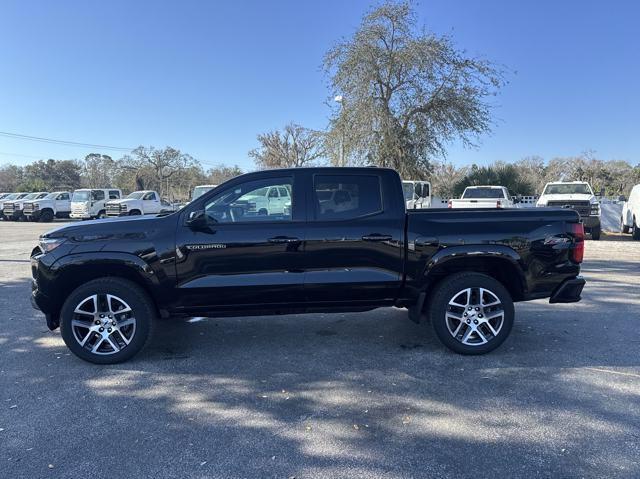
x=12, y=210
x=484, y=197
x=200, y=190
x=575, y=195
x=89, y=203
x=54, y=205
x=146, y=202
x=629, y=222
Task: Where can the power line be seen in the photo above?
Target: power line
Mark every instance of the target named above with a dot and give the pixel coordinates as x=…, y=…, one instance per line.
x=54, y=141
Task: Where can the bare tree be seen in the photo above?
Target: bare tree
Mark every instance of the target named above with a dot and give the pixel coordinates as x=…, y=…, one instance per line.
x=406, y=92
x=221, y=173
x=294, y=146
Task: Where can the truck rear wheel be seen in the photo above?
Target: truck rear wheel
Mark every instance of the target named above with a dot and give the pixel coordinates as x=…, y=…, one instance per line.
x=635, y=231
x=107, y=320
x=623, y=228
x=471, y=313
x=595, y=233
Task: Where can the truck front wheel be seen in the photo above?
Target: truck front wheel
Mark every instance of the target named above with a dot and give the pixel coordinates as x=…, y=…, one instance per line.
x=107, y=320
x=46, y=216
x=595, y=233
x=471, y=313
x=635, y=231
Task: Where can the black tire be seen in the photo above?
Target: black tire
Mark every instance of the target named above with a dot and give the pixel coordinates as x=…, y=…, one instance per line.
x=595, y=233
x=635, y=231
x=102, y=214
x=46, y=216
x=135, y=297
x=263, y=212
x=624, y=229
x=134, y=213
x=450, y=288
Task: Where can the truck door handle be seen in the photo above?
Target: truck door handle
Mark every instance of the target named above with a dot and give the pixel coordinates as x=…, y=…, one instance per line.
x=376, y=237
x=283, y=239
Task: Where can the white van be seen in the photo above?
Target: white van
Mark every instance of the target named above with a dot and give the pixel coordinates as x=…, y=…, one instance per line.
x=630, y=220
x=89, y=203
x=417, y=194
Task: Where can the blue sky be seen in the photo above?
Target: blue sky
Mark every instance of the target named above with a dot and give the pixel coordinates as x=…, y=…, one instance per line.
x=206, y=76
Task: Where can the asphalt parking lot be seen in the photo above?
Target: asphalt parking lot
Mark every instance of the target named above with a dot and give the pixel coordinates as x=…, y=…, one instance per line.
x=329, y=396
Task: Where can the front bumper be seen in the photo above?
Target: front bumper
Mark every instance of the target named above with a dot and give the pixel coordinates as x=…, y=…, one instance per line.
x=80, y=216
x=569, y=291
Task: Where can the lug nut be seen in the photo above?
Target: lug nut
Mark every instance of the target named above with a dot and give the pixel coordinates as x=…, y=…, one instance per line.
x=109, y=330
x=480, y=315
x=465, y=315
x=102, y=315
x=468, y=321
x=101, y=329
x=110, y=316
x=113, y=323
x=470, y=308
x=97, y=321
x=475, y=321
x=477, y=309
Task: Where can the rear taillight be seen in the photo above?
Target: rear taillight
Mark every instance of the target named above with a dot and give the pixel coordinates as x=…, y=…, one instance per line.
x=449, y=204
x=577, y=253
x=498, y=204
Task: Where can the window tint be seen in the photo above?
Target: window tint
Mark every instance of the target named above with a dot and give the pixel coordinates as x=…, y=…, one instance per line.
x=283, y=192
x=114, y=194
x=63, y=196
x=97, y=195
x=248, y=202
x=149, y=196
x=483, y=193
x=344, y=197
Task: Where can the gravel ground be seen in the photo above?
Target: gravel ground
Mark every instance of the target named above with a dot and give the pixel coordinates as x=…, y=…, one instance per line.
x=329, y=396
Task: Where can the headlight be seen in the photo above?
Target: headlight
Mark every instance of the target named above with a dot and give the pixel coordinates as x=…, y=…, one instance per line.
x=123, y=207
x=36, y=206
x=49, y=244
x=595, y=209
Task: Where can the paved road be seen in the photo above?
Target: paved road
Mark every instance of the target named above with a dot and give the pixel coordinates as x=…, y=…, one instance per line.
x=329, y=396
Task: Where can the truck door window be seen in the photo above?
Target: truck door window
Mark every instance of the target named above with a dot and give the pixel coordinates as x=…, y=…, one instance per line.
x=114, y=195
x=97, y=195
x=149, y=196
x=64, y=196
x=345, y=197
x=249, y=202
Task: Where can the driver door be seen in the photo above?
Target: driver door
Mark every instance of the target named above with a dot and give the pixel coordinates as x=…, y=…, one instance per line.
x=242, y=257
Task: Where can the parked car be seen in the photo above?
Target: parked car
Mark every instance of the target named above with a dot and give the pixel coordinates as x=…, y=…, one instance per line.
x=145, y=202
x=12, y=210
x=629, y=222
x=575, y=195
x=53, y=205
x=89, y=203
x=200, y=190
x=103, y=283
x=484, y=197
x=417, y=194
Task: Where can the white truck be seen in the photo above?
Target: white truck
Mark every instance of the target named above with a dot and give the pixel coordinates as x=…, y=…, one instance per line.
x=578, y=196
x=54, y=205
x=200, y=190
x=270, y=200
x=12, y=210
x=146, y=202
x=417, y=194
x=89, y=203
x=484, y=197
x=630, y=220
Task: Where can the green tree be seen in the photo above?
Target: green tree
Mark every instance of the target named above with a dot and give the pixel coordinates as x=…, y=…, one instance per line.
x=406, y=93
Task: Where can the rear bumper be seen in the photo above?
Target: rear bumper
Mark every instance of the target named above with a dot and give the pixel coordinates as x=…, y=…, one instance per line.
x=569, y=291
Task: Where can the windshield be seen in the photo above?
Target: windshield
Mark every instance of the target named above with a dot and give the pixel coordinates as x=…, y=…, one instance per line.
x=198, y=191
x=258, y=192
x=568, y=189
x=81, y=195
x=30, y=196
x=39, y=196
x=494, y=193
x=51, y=196
x=136, y=195
x=12, y=196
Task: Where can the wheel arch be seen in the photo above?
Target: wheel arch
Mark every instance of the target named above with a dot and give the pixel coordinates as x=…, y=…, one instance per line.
x=501, y=263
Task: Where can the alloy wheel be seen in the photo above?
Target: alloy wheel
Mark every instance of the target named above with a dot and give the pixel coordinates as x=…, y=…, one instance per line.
x=474, y=316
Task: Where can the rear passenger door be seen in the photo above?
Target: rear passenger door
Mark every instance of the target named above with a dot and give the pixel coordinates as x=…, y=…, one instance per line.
x=353, y=248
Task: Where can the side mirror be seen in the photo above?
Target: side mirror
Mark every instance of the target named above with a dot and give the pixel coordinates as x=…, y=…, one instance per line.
x=622, y=198
x=197, y=220
x=517, y=199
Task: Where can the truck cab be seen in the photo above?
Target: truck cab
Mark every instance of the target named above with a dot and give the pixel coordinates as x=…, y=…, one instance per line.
x=575, y=195
x=89, y=203
x=630, y=219
x=417, y=194
x=200, y=190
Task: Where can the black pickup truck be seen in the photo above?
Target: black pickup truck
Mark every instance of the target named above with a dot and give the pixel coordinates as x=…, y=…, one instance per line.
x=302, y=241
